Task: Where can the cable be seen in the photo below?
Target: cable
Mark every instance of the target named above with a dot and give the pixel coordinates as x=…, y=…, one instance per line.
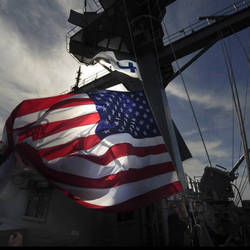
x=241, y=142
x=130, y=31
x=236, y=102
x=241, y=45
x=240, y=186
x=237, y=192
x=244, y=186
x=188, y=96
x=245, y=105
x=232, y=135
x=154, y=40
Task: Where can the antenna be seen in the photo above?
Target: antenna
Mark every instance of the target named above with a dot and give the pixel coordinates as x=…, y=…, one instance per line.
x=85, y=6
x=78, y=79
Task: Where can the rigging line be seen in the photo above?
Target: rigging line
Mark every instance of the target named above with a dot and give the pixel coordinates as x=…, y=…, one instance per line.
x=229, y=75
x=245, y=105
x=188, y=96
x=241, y=44
x=242, y=188
x=180, y=173
x=85, y=6
x=241, y=185
x=235, y=94
x=237, y=104
x=130, y=30
x=232, y=136
x=154, y=41
x=238, y=193
x=244, y=137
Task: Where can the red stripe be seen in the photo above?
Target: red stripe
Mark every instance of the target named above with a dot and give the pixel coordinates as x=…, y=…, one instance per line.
x=34, y=105
x=44, y=130
x=116, y=151
x=60, y=105
x=83, y=143
x=71, y=103
x=123, y=149
x=27, y=107
x=135, y=203
x=123, y=177
x=26, y=151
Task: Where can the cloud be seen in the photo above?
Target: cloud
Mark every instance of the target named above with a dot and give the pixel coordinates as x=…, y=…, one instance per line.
x=208, y=100
x=29, y=69
x=213, y=147
x=194, y=167
x=193, y=132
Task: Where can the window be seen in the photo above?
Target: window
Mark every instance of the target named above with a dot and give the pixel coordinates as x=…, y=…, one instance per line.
x=38, y=201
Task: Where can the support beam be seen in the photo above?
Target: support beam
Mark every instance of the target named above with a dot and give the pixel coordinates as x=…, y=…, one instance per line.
x=201, y=38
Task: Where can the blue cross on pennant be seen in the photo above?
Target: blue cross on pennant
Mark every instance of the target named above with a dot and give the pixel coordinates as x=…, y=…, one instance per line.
x=130, y=66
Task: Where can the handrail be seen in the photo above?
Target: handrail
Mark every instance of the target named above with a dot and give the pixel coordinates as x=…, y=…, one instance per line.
x=240, y=5
x=88, y=80
x=94, y=77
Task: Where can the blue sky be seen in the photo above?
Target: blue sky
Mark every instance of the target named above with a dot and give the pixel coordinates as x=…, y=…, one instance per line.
x=35, y=63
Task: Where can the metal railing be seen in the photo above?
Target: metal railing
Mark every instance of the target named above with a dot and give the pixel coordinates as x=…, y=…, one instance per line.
x=231, y=9
x=92, y=78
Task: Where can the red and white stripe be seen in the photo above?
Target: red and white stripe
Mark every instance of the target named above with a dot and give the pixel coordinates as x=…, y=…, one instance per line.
x=57, y=136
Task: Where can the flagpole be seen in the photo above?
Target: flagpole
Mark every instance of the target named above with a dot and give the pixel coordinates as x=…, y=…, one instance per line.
x=157, y=98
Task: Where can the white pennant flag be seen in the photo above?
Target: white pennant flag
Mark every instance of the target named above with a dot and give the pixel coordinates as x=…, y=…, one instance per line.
x=127, y=67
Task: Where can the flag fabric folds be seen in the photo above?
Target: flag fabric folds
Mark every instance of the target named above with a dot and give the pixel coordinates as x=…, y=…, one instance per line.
x=102, y=149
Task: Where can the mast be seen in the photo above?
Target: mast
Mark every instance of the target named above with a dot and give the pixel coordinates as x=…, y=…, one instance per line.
x=136, y=33
x=138, y=21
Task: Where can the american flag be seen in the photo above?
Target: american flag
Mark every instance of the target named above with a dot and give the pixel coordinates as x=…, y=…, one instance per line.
x=103, y=149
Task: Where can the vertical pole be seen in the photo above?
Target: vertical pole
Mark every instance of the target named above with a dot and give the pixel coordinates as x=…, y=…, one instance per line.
x=164, y=221
x=155, y=93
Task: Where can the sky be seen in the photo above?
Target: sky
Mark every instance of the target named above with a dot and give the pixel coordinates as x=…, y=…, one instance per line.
x=35, y=63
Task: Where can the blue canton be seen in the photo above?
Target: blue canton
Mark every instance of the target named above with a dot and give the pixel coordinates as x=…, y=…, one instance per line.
x=124, y=112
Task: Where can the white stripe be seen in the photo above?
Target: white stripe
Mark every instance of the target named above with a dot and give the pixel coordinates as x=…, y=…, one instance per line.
x=42, y=117
x=27, y=119
x=114, y=196
x=24, y=120
x=85, y=168
x=101, y=148
x=62, y=137
x=67, y=113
